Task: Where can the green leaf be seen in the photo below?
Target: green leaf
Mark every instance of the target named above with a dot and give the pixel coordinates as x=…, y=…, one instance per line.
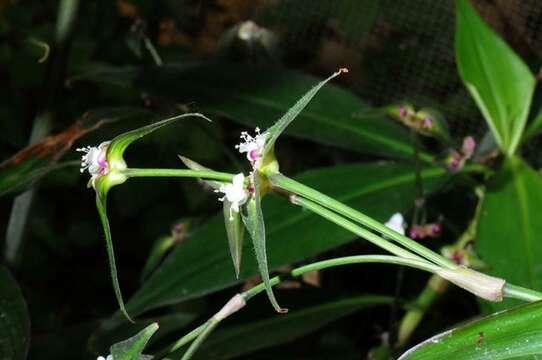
x=235, y=233
x=14, y=319
x=254, y=222
x=231, y=342
x=170, y=325
x=510, y=334
x=119, y=144
x=509, y=228
x=203, y=265
x=534, y=127
x=132, y=348
x=498, y=80
x=101, y=205
x=276, y=130
x=258, y=95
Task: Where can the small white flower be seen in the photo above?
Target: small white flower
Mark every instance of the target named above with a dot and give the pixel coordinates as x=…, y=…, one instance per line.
x=397, y=223
x=109, y=357
x=235, y=193
x=95, y=161
x=253, y=146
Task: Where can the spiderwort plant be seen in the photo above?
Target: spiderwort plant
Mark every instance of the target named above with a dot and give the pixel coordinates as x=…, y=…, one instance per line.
x=242, y=196
x=105, y=164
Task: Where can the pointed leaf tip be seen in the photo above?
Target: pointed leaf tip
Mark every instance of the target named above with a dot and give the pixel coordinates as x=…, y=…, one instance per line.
x=101, y=205
x=235, y=233
x=281, y=124
x=132, y=348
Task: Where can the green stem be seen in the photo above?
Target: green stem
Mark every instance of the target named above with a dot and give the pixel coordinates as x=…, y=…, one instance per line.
x=209, y=327
x=521, y=293
x=182, y=341
x=203, y=174
x=290, y=185
x=347, y=260
x=352, y=227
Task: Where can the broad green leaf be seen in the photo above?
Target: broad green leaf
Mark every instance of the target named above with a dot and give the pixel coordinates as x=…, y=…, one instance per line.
x=509, y=232
x=235, y=233
x=132, y=348
x=276, y=130
x=259, y=95
x=505, y=335
x=254, y=222
x=292, y=234
x=234, y=341
x=498, y=80
x=14, y=319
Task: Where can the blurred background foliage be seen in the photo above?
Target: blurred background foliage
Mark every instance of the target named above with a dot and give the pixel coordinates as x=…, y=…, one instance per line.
x=244, y=63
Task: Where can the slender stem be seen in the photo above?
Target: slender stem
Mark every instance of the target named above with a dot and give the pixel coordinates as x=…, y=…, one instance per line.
x=352, y=227
x=204, y=174
x=209, y=327
x=182, y=341
x=521, y=293
x=290, y=185
x=347, y=260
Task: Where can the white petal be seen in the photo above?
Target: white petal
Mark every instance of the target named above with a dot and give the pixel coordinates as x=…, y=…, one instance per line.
x=397, y=223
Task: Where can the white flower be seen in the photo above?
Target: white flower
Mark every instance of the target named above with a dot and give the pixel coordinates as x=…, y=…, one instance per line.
x=109, y=357
x=253, y=146
x=235, y=193
x=397, y=223
x=95, y=161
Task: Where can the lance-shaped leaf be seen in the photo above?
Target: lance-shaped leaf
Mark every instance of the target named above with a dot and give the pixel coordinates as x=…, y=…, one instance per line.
x=255, y=225
x=236, y=233
x=101, y=205
x=232, y=220
x=534, y=127
x=509, y=334
x=498, y=80
x=121, y=142
x=277, y=129
x=132, y=348
x=114, y=176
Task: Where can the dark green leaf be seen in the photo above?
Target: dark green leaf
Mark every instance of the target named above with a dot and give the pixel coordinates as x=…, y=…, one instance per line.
x=509, y=228
x=510, y=334
x=498, y=80
x=132, y=348
x=234, y=341
x=14, y=319
x=292, y=234
x=254, y=222
x=258, y=96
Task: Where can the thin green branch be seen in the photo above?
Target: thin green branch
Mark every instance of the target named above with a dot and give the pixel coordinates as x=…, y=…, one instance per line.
x=202, y=174
x=292, y=186
x=347, y=260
